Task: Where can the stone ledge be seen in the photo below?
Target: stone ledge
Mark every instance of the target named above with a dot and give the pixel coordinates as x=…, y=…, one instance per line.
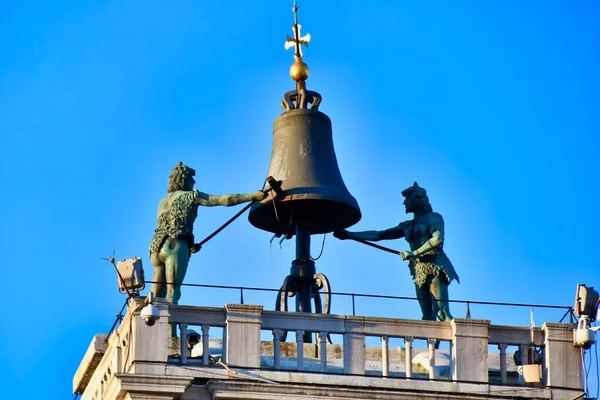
x=360, y=384
x=90, y=361
x=154, y=384
x=317, y=387
x=243, y=313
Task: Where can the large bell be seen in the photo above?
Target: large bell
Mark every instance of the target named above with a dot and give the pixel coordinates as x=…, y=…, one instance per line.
x=315, y=197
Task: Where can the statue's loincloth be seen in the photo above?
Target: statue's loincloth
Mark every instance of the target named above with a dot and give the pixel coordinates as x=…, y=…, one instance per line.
x=432, y=264
x=177, y=222
x=160, y=237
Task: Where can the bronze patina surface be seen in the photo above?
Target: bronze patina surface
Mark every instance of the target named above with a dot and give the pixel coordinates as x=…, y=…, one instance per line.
x=429, y=266
x=171, y=246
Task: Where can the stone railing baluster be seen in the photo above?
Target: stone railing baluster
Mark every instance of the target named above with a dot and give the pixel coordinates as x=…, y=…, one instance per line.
x=323, y=350
x=408, y=343
x=300, y=349
x=431, y=347
x=385, y=356
x=450, y=352
x=205, y=344
x=276, y=348
x=183, y=350
x=502, y=348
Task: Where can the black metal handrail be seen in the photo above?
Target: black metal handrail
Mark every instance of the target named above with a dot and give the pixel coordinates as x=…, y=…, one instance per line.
x=568, y=309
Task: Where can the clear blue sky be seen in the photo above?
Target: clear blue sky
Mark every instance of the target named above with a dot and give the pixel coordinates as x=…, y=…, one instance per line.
x=491, y=106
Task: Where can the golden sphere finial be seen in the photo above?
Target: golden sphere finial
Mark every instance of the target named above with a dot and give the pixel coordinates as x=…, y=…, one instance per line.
x=299, y=70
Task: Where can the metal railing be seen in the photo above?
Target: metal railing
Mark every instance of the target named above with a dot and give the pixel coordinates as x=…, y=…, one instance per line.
x=568, y=309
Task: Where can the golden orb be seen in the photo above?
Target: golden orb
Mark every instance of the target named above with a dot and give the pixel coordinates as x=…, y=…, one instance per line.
x=299, y=70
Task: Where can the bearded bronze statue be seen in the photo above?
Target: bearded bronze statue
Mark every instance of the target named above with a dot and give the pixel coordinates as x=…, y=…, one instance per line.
x=173, y=241
x=429, y=266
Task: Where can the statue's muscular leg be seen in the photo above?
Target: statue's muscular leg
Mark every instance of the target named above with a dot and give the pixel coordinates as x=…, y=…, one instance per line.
x=176, y=261
x=439, y=291
x=159, y=289
x=425, y=301
x=175, y=254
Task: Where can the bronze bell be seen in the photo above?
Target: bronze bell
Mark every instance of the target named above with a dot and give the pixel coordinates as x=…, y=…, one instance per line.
x=315, y=198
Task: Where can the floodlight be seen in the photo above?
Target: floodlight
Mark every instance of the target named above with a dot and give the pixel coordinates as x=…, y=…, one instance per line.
x=131, y=275
x=586, y=302
x=586, y=307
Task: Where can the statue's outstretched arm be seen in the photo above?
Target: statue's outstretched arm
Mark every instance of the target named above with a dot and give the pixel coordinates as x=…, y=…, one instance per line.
x=396, y=232
x=392, y=233
x=227, y=200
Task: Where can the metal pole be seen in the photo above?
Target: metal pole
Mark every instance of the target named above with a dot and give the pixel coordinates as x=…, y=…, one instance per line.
x=570, y=315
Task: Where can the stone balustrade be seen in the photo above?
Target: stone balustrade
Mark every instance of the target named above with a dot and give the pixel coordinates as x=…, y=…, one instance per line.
x=468, y=340
x=136, y=349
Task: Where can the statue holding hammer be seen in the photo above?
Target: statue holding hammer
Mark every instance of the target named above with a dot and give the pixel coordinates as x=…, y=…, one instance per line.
x=429, y=266
x=173, y=241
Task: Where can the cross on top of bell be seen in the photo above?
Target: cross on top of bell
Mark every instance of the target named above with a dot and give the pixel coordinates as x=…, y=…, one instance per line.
x=299, y=70
x=297, y=41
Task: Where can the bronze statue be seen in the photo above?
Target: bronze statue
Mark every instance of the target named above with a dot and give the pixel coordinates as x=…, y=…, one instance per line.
x=429, y=266
x=173, y=241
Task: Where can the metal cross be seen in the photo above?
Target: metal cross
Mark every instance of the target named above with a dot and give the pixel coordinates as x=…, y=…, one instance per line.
x=297, y=41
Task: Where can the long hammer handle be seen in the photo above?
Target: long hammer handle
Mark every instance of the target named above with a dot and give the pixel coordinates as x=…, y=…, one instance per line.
x=377, y=246
x=274, y=185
